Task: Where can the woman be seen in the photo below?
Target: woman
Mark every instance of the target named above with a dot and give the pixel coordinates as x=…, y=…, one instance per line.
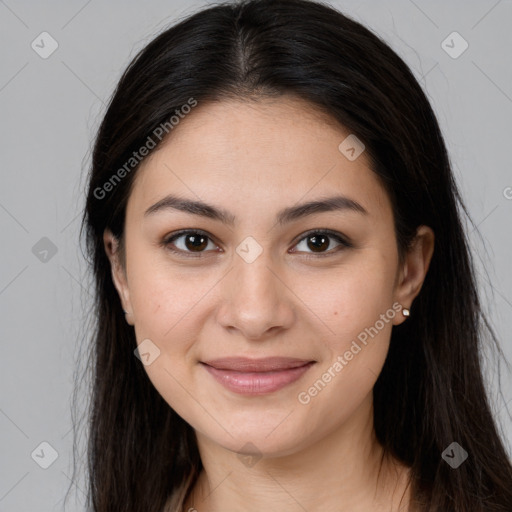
x=287, y=313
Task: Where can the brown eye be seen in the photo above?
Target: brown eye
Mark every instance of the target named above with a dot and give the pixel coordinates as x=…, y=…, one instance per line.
x=194, y=243
x=188, y=242
x=320, y=242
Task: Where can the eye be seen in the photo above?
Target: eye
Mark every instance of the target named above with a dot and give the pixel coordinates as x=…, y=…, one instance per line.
x=196, y=241
x=191, y=242
x=318, y=241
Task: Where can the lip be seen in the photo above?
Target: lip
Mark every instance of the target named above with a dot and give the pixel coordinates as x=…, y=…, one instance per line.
x=257, y=376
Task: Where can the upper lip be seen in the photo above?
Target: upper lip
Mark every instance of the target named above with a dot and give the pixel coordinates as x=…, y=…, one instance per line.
x=267, y=364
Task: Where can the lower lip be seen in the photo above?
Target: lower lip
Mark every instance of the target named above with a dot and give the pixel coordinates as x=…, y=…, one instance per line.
x=257, y=383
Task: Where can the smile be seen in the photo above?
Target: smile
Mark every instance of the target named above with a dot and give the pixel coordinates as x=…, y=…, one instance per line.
x=257, y=377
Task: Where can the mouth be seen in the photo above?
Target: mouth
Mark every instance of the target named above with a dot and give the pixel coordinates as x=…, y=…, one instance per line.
x=257, y=376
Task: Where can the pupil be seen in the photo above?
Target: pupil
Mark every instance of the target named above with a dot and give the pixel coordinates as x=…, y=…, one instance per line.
x=320, y=240
x=197, y=241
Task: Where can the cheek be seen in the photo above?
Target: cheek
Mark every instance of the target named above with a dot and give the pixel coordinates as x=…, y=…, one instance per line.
x=164, y=314
x=356, y=305
x=351, y=298
x=359, y=315
x=165, y=298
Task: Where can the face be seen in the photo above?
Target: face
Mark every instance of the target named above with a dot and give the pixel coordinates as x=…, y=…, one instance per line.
x=256, y=284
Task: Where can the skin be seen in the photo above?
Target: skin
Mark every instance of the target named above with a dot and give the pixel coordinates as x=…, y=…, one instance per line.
x=253, y=159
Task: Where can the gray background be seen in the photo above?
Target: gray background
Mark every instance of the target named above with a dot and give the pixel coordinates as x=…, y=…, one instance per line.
x=50, y=110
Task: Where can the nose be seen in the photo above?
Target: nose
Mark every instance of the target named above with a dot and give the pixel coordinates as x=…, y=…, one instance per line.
x=256, y=301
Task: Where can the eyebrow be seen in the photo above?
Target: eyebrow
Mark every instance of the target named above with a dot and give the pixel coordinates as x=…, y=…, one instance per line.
x=289, y=214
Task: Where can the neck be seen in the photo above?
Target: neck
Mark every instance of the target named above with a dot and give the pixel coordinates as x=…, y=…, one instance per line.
x=344, y=471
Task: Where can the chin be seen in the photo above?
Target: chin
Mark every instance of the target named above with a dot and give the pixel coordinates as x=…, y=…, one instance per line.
x=249, y=438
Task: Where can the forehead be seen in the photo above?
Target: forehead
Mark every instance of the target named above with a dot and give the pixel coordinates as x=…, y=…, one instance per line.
x=257, y=153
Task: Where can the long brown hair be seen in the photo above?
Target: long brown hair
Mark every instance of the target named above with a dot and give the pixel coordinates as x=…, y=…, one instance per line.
x=141, y=454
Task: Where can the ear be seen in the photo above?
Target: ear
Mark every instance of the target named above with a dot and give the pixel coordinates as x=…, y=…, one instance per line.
x=414, y=269
x=111, y=244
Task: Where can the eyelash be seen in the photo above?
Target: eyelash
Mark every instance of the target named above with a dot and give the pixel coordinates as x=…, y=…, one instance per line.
x=167, y=242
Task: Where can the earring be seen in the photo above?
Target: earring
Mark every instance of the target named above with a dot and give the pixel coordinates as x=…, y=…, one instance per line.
x=406, y=312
